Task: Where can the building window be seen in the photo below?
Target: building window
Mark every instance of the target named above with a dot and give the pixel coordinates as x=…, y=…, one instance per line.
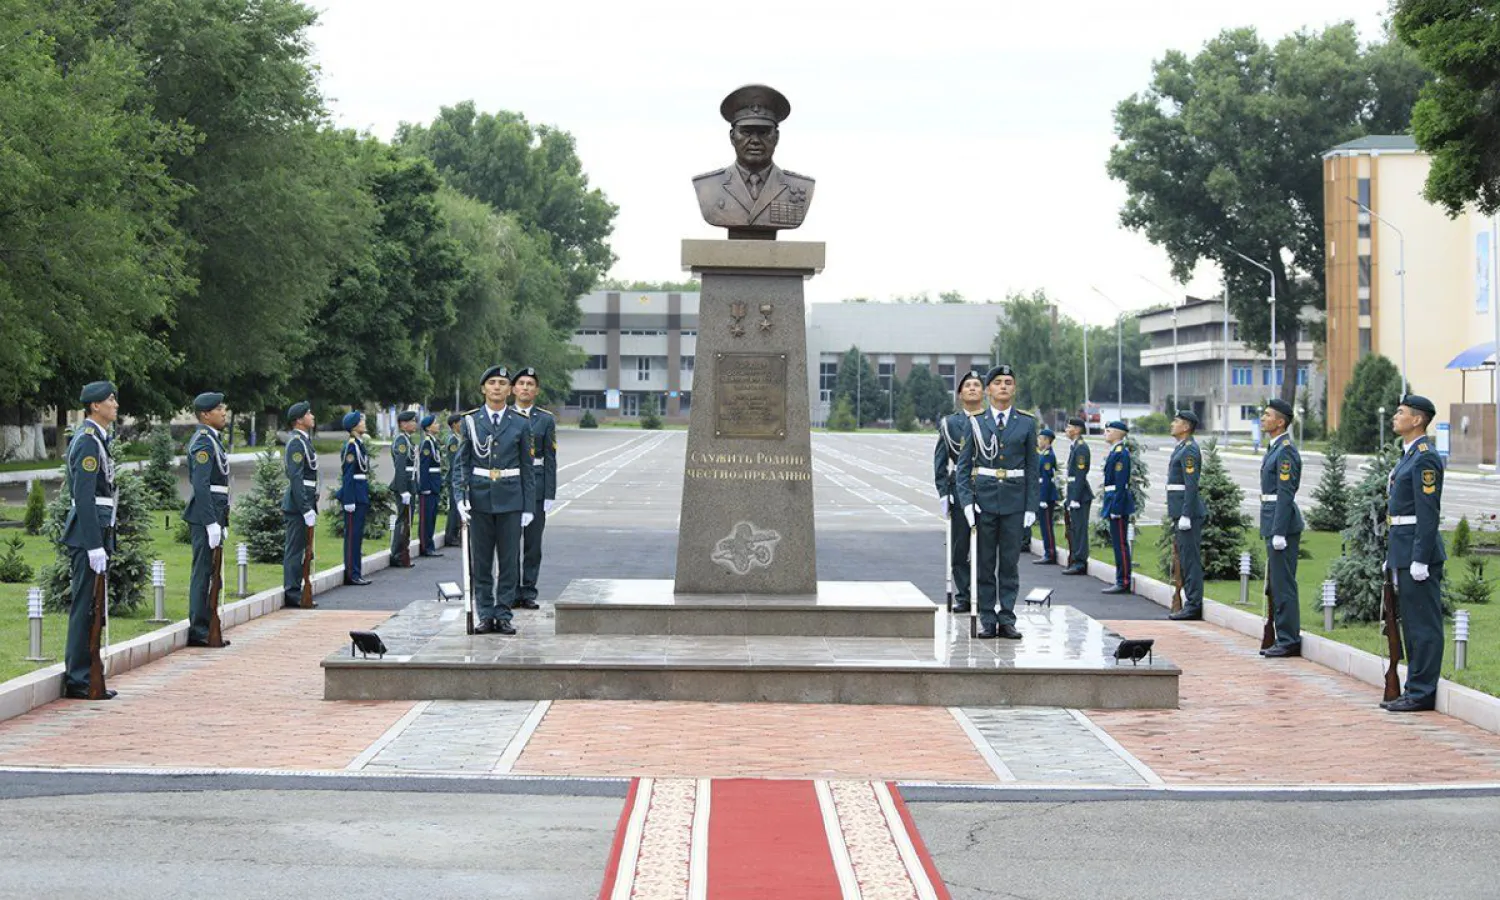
x=1364, y=303
x=1364, y=199
x=685, y=402
x=1247, y=413
x=886, y=373
x=1364, y=270
x=689, y=333
x=643, y=332
x=584, y=400
x=946, y=371
x=1243, y=376
x=1364, y=342
x=596, y=363
x=828, y=377
x=1234, y=331
x=1265, y=376
x=687, y=364
x=585, y=332
x=1302, y=376
x=643, y=368
x=630, y=404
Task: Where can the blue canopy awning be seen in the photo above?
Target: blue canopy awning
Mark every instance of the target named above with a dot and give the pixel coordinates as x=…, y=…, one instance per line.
x=1476, y=357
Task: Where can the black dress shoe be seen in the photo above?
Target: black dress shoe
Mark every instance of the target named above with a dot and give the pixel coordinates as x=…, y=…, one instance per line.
x=83, y=694
x=485, y=626
x=987, y=634
x=1186, y=615
x=1116, y=589
x=1281, y=651
x=1010, y=633
x=1410, y=704
x=962, y=608
x=433, y=553
x=528, y=604
x=504, y=627
x=1044, y=561
x=1075, y=570
x=204, y=643
x=360, y=582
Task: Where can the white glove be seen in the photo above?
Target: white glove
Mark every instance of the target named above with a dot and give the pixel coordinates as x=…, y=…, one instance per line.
x=526, y=518
x=215, y=535
x=547, y=506
x=310, y=518
x=98, y=560
x=1278, y=542
x=944, y=503
x=1028, y=520
x=1383, y=566
x=463, y=511
x=1075, y=505
x=348, y=507
x=405, y=498
x=969, y=514
x=1419, y=571
x=1184, y=524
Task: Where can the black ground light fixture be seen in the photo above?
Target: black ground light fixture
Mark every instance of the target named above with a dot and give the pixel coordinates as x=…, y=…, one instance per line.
x=366, y=642
x=1134, y=649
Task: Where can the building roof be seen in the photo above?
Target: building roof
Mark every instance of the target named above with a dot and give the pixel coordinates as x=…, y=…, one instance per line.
x=1383, y=143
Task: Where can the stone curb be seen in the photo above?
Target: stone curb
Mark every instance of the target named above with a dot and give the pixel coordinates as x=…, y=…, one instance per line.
x=924, y=792
x=24, y=693
x=1464, y=703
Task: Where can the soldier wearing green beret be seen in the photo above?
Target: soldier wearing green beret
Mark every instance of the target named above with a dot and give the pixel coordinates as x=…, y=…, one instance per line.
x=1187, y=513
x=450, y=454
x=1415, y=553
x=429, y=484
x=207, y=512
x=299, y=505
x=1281, y=526
x=403, y=486
x=89, y=530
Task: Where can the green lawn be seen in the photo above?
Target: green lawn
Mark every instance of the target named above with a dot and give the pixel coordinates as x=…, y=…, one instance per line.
x=15, y=629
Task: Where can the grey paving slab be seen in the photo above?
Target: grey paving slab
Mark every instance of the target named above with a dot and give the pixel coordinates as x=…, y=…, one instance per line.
x=454, y=736
x=1050, y=746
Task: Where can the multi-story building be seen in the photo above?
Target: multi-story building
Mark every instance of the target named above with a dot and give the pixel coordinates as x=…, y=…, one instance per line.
x=642, y=344
x=1204, y=358
x=1449, y=308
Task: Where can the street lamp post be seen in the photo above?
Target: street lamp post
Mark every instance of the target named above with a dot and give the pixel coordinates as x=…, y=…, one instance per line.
x=1119, y=354
x=1380, y=423
x=1224, y=422
x=1083, y=320
x=1275, y=382
x=1176, y=397
x=1401, y=279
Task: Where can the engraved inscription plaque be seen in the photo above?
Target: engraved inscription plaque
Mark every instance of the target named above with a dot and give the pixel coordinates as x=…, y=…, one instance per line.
x=750, y=395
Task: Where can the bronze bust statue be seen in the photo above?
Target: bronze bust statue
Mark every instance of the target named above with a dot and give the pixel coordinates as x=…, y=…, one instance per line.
x=753, y=197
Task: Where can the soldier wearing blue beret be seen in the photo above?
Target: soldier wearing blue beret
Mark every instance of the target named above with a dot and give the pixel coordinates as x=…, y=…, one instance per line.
x=88, y=531
x=996, y=480
x=1118, y=505
x=299, y=505
x=1187, y=513
x=1080, y=497
x=1281, y=526
x=207, y=512
x=952, y=432
x=450, y=454
x=429, y=485
x=403, y=486
x=1415, y=553
x=495, y=483
x=1047, y=496
x=354, y=494
x=544, y=466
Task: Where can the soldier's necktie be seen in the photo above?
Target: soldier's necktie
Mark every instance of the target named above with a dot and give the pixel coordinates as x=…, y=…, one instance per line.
x=754, y=185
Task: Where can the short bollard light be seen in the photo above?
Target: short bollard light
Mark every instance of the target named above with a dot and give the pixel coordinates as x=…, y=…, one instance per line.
x=1244, y=578
x=1330, y=600
x=242, y=558
x=159, y=587
x=34, y=614
x=1460, y=639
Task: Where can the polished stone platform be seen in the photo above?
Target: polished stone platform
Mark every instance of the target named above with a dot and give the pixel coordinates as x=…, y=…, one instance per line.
x=888, y=609
x=1064, y=660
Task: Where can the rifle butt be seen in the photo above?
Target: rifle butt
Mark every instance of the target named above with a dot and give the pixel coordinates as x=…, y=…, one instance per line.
x=96, y=633
x=307, y=560
x=215, y=631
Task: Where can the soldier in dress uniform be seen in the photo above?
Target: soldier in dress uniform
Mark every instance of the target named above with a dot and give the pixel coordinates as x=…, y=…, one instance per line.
x=207, y=512
x=544, y=467
x=1118, y=504
x=1415, y=553
x=429, y=485
x=953, y=430
x=299, y=505
x=354, y=494
x=403, y=486
x=1186, y=509
x=996, y=479
x=89, y=530
x=450, y=455
x=1080, y=499
x=1047, y=496
x=494, y=480
x=1281, y=526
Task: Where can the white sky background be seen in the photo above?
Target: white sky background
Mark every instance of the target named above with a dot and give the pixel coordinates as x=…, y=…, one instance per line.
x=956, y=144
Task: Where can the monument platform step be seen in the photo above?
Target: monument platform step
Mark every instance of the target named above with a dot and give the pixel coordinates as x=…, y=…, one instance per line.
x=1065, y=659
x=887, y=609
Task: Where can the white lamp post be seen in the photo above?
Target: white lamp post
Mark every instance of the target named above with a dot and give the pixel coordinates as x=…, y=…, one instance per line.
x=1119, y=355
x=1401, y=277
x=1275, y=382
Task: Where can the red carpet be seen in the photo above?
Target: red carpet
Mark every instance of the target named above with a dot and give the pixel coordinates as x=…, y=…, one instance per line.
x=766, y=839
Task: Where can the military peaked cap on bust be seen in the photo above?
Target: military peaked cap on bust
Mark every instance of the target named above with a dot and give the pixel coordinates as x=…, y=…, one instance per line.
x=207, y=400
x=1076, y=422
x=1187, y=416
x=455, y=418
x=406, y=415
x=528, y=370
x=494, y=371
x=1282, y=407
x=1420, y=404
x=298, y=410
x=755, y=101
x=96, y=392
x=996, y=372
x=427, y=421
x=1046, y=433
x=971, y=375
x=1119, y=425
x=351, y=419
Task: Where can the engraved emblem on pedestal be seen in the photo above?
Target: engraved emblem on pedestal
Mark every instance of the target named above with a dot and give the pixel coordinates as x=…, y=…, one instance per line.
x=765, y=316
x=737, y=311
x=745, y=548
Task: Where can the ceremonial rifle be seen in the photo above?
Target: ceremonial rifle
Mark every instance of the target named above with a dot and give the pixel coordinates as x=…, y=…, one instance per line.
x=948, y=557
x=468, y=574
x=1176, y=574
x=1268, y=635
x=1391, y=625
x=216, y=584
x=1068, y=526
x=307, y=561
x=96, y=632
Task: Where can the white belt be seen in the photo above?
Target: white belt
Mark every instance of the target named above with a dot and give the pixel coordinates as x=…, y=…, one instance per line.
x=1401, y=520
x=360, y=476
x=1000, y=473
x=1268, y=498
x=1109, y=487
x=1176, y=487
x=496, y=474
x=104, y=501
x=538, y=462
x=1077, y=478
x=219, y=488
x=306, y=483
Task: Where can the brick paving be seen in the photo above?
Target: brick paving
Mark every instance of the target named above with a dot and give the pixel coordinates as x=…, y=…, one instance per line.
x=256, y=704
x=1248, y=720
x=764, y=740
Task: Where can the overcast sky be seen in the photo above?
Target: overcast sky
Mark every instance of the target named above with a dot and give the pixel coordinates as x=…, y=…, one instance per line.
x=956, y=144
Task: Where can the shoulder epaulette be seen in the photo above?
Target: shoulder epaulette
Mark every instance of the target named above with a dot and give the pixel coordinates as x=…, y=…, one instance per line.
x=1025, y=413
x=713, y=173
x=1421, y=446
x=796, y=175
x=544, y=410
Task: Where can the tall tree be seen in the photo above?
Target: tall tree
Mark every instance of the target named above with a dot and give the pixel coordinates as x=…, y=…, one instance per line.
x=1107, y=346
x=1373, y=385
x=930, y=397
x=1222, y=150
x=858, y=382
x=1045, y=349
x=532, y=171
x=1457, y=119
